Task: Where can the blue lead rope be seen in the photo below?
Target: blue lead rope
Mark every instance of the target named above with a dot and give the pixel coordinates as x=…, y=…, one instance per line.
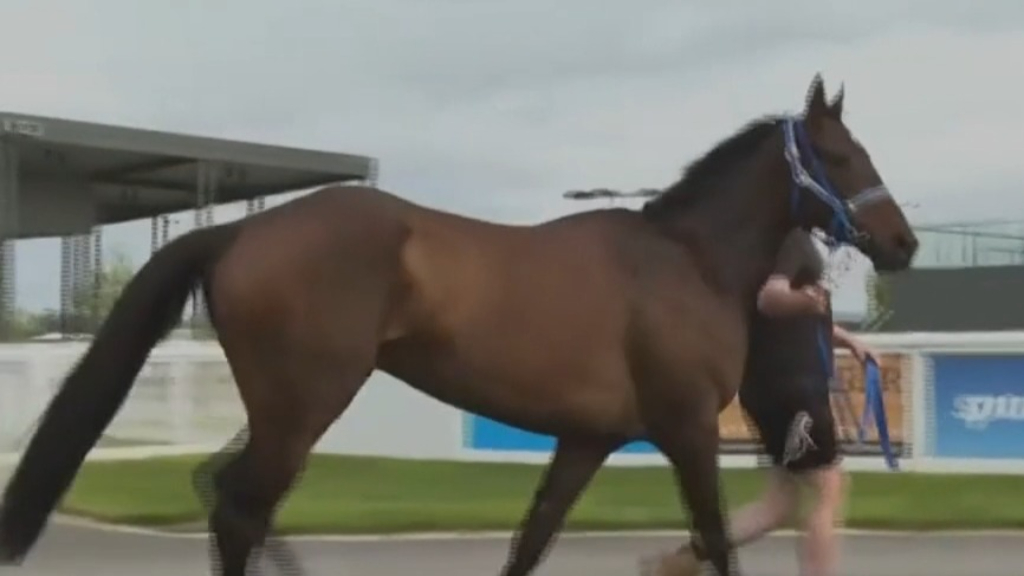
x=826, y=357
x=874, y=401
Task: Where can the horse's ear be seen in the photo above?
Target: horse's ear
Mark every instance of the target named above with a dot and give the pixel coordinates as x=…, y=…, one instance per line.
x=835, y=108
x=817, y=108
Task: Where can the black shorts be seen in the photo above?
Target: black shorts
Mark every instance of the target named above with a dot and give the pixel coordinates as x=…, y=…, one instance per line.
x=794, y=419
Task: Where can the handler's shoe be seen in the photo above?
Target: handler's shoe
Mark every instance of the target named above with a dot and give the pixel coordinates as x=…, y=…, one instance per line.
x=679, y=563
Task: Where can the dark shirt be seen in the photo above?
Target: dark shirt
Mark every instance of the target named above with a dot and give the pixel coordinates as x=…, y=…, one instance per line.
x=793, y=347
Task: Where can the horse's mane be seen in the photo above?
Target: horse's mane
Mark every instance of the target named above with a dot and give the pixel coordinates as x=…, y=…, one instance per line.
x=693, y=183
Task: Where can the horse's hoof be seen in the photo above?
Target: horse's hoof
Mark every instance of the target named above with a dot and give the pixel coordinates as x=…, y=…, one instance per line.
x=681, y=563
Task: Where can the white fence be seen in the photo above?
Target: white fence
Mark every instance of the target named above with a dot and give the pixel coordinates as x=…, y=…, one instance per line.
x=184, y=399
x=955, y=401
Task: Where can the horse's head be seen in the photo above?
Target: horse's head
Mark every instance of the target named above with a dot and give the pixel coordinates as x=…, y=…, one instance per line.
x=838, y=189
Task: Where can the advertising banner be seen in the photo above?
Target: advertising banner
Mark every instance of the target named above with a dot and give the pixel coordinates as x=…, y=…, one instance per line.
x=978, y=405
x=847, y=405
x=848, y=402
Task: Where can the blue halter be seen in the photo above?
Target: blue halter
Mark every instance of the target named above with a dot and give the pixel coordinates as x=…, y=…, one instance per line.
x=798, y=147
x=842, y=230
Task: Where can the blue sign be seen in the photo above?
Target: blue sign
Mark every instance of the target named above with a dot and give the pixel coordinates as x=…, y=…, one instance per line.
x=485, y=434
x=479, y=433
x=978, y=403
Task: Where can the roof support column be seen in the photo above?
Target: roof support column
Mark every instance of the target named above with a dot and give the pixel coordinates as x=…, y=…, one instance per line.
x=81, y=276
x=154, y=235
x=96, y=249
x=254, y=205
x=373, y=173
x=207, y=183
x=9, y=164
x=67, y=286
x=160, y=232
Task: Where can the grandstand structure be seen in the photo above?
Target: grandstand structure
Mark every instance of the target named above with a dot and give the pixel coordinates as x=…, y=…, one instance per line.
x=67, y=178
x=967, y=277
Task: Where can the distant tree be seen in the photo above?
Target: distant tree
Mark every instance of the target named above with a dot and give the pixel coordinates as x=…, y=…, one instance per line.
x=47, y=321
x=879, y=299
x=92, y=301
x=24, y=325
x=89, y=305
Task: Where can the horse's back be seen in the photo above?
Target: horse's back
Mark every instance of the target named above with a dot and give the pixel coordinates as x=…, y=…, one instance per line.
x=466, y=266
x=367, y=246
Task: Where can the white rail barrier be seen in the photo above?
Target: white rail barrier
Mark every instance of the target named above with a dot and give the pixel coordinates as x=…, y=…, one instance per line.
x=167, y=408
x=955, y=404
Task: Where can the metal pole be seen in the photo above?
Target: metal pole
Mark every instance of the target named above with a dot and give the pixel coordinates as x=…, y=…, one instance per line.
x=165, y=229
x=97, y=276
x=206, y=188
x=154, y=234
x=254, y=205
x=373, y=173
x=67, y=287
x=80, y=280
x=8, y=235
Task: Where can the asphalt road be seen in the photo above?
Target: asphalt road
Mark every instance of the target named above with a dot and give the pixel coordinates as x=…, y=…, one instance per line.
x=74, y=551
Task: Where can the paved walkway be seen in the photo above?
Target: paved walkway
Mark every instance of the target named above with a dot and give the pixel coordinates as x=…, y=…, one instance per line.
x=74, y=551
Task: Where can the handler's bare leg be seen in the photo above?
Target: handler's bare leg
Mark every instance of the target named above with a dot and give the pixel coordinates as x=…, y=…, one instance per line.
x=776, y=504
x=820, y=546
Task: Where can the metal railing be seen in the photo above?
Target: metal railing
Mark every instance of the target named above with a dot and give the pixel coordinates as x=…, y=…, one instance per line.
x=971, y=244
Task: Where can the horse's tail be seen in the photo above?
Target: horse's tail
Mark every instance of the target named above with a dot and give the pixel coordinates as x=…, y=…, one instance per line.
x=149, y=307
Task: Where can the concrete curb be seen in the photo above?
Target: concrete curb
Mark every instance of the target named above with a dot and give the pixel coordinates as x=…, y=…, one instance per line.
x=498, y=535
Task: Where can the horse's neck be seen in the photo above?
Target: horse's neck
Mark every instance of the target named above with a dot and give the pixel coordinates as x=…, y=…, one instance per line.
x=740, y=229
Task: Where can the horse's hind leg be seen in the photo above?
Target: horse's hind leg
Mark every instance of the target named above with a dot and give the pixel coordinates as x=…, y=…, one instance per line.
x=572, y=467
x=290, y=400
x=240, y=517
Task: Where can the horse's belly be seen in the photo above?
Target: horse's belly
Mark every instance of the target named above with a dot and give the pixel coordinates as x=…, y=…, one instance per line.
x=556, y=396
x=505, y=326
x=584, y=406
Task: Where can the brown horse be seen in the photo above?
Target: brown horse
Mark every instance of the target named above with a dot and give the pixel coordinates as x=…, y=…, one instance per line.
x=598, y=328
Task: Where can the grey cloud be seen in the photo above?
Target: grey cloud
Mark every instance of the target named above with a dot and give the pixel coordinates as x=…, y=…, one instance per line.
x=483, y=107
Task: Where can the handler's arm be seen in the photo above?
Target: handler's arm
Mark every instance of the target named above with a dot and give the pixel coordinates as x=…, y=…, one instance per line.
x=778, y=298
x=844, y=339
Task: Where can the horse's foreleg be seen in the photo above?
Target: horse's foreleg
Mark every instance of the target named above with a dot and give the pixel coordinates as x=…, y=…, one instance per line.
x=692, y=448
x=572, y=467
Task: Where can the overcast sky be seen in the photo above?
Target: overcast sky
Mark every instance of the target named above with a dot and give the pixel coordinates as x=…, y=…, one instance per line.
x=494, y=108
